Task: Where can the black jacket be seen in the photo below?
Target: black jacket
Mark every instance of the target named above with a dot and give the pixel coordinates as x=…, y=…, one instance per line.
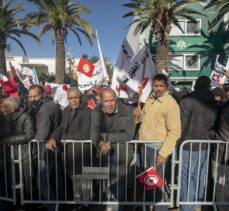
x=19, y=129
x=198, y=117
x=75, y=127
x=222, y=134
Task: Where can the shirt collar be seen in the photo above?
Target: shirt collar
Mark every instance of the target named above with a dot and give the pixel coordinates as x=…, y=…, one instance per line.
x=160, y=99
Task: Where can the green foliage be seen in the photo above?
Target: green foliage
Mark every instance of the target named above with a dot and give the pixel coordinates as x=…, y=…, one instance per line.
x=222, y=8
x=158, y=15
x=42, y=77
x=11, y=25
x=53, y=15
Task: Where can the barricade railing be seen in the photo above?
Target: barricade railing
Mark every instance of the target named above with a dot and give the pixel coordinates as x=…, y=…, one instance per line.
x=202, y=167
x=77, y=173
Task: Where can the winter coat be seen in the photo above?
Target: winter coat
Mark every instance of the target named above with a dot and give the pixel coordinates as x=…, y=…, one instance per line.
x=48, y=118
x=222, y=134
x=198, y=117
x=120, y=131
x=18, y=130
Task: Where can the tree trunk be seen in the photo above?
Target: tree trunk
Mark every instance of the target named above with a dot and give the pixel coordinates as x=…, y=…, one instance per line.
x=60, y=55
x=162, y=56
x=2, y=57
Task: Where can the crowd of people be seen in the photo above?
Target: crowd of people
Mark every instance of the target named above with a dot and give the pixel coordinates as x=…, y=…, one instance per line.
x=201, y=114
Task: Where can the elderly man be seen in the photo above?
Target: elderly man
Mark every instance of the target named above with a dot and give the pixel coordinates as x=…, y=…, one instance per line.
x=75, y=125
x=18, y=129
x=47, y=116
x=112, y=124
x=160, y=122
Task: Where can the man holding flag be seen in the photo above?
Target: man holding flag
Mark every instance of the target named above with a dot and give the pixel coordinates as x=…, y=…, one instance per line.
x=160, y=122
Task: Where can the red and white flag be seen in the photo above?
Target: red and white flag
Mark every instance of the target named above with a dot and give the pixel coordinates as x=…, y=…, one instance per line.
x=91, y=104
x=85, y=67
x=150, y=179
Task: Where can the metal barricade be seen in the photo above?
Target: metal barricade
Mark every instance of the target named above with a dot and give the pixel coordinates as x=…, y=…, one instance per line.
x=201, y=172
x=77, y=173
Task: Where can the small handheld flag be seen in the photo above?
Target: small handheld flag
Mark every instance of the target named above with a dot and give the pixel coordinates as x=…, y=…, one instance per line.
x=150, y=179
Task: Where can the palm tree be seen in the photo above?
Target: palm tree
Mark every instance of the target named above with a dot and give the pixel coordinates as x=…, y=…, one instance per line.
x=222, y=8
x=60, y=17
x=11, y=28
x=159, y=15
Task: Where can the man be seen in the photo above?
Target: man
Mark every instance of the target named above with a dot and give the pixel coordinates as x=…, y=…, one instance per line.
x=220, y=155
x=47, y=116
x=18, y=129
x=160, y=122
x=198, y=118
x=75, y=125
x=112, y=124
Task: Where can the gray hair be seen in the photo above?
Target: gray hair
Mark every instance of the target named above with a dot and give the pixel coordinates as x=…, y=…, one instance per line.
x=74, y=89
x=12, y=102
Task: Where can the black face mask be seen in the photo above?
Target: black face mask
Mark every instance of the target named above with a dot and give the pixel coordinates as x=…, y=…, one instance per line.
x=35, y=104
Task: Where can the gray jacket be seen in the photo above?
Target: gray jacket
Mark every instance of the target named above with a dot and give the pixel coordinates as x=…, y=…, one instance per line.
x=121, y=130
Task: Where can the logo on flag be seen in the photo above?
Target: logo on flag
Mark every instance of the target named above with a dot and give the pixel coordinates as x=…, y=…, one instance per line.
x=85, y=67
x=150, y=179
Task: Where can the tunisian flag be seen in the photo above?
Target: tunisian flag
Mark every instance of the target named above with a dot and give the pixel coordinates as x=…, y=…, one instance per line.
x=85, y=67
x=150, y=179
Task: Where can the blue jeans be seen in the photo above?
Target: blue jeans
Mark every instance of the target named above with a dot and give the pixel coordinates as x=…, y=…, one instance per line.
x=196, y=188
x=150, y=154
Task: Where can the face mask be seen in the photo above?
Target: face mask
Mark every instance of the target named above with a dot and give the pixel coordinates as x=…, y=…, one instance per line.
x=35, y=104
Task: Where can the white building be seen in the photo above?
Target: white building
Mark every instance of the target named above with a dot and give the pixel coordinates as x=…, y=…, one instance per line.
x=46, y=65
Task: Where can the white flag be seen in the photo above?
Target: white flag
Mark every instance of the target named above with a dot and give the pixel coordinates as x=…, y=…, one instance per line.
x=30, y=72
x=129, y=67
x=85, y=83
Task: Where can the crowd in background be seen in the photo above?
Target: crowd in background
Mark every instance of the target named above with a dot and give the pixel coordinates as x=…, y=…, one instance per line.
x=98, y=115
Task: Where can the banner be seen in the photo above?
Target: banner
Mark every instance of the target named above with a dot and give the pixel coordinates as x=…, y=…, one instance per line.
x=60, y=95
x=30, y=72
x=217, y=75
x=150, y=179
x=97, y=78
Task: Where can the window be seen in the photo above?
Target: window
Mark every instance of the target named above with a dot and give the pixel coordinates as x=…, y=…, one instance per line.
x=192, y=62
x=188, y=27
x=184, y=62
x=193, y=27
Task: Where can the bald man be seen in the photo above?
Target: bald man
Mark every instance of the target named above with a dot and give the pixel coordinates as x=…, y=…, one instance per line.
x=112, y=124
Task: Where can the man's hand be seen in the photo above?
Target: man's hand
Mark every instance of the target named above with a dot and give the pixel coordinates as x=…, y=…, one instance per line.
x=137, y=112
x=226, y=73
x=160, y=160
x=51, y=144
x=104, y=147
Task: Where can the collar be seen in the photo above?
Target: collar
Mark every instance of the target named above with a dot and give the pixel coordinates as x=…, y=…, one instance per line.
x=160, y=99
x=79, y=107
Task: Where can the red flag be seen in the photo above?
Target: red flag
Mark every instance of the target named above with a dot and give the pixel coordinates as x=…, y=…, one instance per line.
x=91, y=104
x=150, y=179
x=9, y=87
x=85, y=67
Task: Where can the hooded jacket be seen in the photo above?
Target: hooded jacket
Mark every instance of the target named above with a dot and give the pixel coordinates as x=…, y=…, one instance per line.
x=198, y=117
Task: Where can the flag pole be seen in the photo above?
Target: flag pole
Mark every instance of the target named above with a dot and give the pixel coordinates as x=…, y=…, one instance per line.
x=141, y=86
x=101, y=57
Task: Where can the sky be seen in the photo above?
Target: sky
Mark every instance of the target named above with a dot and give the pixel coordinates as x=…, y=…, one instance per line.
x=106, y=17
